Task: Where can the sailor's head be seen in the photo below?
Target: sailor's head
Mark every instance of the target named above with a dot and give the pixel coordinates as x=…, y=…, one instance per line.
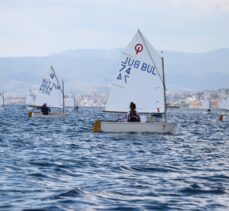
x=132, y=106
x=44, y=104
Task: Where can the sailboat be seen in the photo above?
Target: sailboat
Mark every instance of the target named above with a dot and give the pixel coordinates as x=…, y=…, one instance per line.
x=2, y=100
x=51, y=93
x=224, y=105
x=206, y=104
x=30, y=98
x=140, y=79
x=71, y=101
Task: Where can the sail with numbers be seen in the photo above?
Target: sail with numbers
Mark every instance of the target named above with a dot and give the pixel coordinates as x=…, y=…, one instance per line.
x=50, y=91
x=139, y=79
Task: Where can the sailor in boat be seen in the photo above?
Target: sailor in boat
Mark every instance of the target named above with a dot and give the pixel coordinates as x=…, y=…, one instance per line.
x=45, y=109
x=133, y=115
x=154, y=117
x=158, y=115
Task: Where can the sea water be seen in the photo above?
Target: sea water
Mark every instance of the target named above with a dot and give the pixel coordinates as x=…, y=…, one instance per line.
x=59, y=164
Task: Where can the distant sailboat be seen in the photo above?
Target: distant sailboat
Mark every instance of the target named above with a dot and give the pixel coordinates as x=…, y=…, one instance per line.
x=206, y=104
x=30, y=98
x=140, y=79
x=2, y=100
x=70, y=101
x=50, y=93
x=224, y=105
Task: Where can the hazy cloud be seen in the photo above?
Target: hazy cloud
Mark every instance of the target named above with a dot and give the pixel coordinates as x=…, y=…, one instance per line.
x=212, y=5
x=40, y=27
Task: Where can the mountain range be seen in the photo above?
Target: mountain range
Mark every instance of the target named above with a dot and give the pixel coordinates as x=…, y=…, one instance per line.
x=93, y=70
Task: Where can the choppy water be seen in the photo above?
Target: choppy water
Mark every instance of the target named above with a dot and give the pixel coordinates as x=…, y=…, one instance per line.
x=59, y=164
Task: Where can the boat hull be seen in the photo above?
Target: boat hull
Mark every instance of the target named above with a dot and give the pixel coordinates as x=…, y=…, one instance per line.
x=50, y=115
x=128, y=127
x=29, y=108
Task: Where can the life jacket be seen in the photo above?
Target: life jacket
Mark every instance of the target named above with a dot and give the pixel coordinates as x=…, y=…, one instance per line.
x=133, y=117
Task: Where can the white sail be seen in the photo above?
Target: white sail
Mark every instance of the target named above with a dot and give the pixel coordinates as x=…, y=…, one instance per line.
x=205, y=103
x=224, y=103
x=30, y=98
x=139, y=79
x=70, y=102
x=1, y=99
x=50, y=91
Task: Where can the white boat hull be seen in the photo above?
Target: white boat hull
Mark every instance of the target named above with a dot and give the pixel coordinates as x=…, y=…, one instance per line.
x=50, y=115
x=29, y=108
x=128, y=127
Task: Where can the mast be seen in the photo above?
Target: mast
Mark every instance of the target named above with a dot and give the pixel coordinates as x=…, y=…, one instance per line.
x=163, y=77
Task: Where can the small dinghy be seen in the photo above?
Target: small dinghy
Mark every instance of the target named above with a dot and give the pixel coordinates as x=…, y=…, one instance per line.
x=206, y=104
x=2, y=100
x=224, y=106
x=70, y=102
x=50, y=93
x=140, y=79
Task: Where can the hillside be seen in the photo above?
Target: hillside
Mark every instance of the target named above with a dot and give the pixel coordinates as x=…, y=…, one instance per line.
x=87, y=70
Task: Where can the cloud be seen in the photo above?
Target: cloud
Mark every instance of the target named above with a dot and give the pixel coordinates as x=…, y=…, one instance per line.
x=211, y=5
x=40, y=27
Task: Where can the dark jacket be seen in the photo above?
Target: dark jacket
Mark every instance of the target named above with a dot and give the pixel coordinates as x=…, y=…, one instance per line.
x=45, y=110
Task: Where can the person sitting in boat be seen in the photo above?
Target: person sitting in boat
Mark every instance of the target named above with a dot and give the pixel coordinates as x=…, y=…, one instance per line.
x=157, y=115
x=45, y=109
x=133, y=115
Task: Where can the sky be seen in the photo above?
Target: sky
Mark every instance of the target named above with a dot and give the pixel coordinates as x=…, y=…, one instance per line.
x=42, y=27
